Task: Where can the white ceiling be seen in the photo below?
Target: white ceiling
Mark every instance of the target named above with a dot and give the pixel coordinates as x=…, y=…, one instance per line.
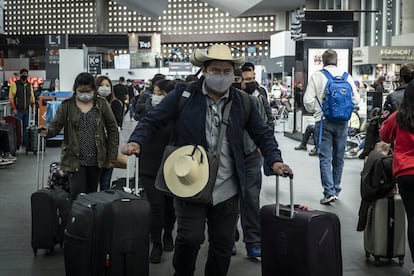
x=155, y=8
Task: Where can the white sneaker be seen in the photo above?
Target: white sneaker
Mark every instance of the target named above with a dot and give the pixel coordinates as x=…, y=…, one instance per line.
x=4, y=162
x=9, y=157
x=411, y=272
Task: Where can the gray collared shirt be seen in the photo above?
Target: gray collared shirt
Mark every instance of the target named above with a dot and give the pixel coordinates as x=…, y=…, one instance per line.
x=226, y=182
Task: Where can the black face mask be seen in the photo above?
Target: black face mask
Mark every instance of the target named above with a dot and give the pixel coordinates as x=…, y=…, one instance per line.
x=250, y=87
x=236, y=85
x=23, y=77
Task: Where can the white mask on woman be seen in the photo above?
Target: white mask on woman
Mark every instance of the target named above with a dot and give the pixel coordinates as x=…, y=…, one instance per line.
x=104, y=91
x=156, y=99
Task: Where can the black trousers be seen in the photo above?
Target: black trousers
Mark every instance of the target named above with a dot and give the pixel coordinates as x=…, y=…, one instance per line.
x=162, y=209
x=85, y=180
x=309, y=131
x=191, y=219
x=406, y=187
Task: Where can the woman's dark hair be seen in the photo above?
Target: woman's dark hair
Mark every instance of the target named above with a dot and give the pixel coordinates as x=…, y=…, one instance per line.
x=84, y=79
x=98, y=83
x=165, y=85
x=405, y=115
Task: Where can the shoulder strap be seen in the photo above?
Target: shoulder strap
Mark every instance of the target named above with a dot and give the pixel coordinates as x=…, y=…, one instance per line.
x=247, y=102
x=345, y=76
x=185, y=95
x=223, y=127
x=327, y=74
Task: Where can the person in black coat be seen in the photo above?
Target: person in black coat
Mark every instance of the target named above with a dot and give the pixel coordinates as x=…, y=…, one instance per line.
x=162, y=206
x=121, y=91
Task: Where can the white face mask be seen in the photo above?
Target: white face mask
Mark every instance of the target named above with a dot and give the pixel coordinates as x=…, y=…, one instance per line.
x=104, y=91
x=218, y=82
x=156, y=99
x=85, y=97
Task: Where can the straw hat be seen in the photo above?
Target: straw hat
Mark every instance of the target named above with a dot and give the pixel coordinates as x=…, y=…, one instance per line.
x=215, y=52
x=186, y=170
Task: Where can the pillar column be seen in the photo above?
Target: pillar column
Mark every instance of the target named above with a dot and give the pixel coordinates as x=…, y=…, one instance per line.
x=102, y=8
x=407, y=17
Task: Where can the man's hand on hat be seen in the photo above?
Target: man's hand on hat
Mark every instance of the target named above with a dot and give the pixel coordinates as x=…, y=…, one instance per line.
x=131, y=148
x=281, y=169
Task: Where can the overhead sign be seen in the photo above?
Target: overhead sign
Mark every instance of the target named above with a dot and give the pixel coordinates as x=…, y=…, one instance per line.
x=180, y=67
x=95, y=64
x=52, y=44
x=144, y=43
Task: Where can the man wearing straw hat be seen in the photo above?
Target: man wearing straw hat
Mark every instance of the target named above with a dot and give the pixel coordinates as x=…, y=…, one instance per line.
x=186, y=172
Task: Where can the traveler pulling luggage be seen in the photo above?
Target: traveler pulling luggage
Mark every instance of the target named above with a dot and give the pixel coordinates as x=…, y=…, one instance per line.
x=50, y=208
x=384, y=235
x=298, y=241
x=108, y=234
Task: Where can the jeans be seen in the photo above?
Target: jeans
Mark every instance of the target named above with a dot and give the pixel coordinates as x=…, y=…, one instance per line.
x=85, y=180
x=406, y=187
x=331, y=155
x=191, y=220
x=249, y=202
x=24, y=116
x=105, y=179
x=162, y=208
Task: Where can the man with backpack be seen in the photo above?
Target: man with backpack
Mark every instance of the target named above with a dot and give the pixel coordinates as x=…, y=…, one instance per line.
x=331, y=96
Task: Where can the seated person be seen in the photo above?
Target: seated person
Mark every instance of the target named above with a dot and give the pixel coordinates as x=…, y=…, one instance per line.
x=310, y=130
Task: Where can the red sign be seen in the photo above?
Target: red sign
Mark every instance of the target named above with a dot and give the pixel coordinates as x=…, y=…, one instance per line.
x=33, y=80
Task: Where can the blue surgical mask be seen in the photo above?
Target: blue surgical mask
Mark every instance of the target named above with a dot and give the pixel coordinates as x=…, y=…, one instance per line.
x=85, y=97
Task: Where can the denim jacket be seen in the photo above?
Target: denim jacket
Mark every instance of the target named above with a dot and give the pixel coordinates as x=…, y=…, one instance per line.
x=106, y=133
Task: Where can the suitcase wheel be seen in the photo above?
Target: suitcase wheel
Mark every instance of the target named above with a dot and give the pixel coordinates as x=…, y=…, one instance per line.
x=377, y=261
x=35, y=251
x=401, y=260
x=367, y=255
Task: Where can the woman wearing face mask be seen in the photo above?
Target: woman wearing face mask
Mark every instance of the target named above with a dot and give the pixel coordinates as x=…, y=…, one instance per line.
x=90, y=135
x=162, y=209
x=104, y=85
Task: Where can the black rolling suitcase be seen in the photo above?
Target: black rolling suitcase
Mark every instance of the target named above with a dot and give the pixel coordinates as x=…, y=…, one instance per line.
x=32, y=135
x=11, y=137
x=108, y=234
x=297, y=241
x=50, y=208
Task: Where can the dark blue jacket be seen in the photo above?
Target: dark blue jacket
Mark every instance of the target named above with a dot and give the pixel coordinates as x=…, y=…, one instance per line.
x=190, y=127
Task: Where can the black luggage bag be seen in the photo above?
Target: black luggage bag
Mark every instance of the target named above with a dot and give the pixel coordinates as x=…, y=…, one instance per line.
x=50, y=207
x=298, y=241
x=32, y=137
x=108, y=234
x=11, y=137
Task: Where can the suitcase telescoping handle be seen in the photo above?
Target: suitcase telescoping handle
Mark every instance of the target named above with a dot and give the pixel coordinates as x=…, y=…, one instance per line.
x=136, y=191
x=40, y=165
x=292, y=206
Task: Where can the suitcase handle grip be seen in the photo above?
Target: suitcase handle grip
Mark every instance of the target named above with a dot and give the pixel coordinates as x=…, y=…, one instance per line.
x=129, y=165
x=292, y=205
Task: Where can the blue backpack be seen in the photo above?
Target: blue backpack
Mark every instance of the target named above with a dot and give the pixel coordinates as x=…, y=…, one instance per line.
x=337, y=104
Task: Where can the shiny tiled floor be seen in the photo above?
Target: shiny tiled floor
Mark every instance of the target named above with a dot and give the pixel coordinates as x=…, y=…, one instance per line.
x=18, y=181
